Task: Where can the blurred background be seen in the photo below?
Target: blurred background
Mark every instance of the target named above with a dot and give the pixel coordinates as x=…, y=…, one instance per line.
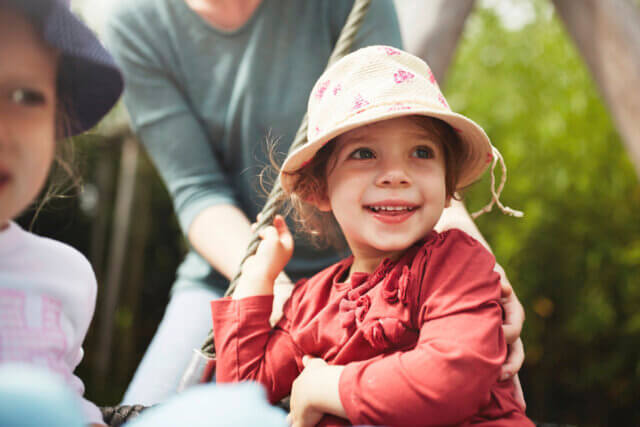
x=569, y=136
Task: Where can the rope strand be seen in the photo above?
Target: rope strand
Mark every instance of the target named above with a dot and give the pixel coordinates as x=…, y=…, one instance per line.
x=275, y=200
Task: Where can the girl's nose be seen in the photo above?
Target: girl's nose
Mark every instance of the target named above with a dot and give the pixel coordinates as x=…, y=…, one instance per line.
x=393, y=177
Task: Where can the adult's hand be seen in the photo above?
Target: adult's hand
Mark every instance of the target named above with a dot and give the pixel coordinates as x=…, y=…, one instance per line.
x=512, y=326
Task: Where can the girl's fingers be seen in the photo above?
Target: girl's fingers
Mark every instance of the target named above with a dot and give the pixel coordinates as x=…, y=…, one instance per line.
x=286, y=239
x=280, y=224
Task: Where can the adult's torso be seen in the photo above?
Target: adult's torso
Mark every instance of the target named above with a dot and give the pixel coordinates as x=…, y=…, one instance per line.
x=248, y=84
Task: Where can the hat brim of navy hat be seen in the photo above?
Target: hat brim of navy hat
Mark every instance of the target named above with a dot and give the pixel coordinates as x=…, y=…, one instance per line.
x=476, y=143
x=89, y=82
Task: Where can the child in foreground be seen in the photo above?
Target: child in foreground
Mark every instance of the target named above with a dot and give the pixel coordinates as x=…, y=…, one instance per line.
x=56, y=80
x=407, y=330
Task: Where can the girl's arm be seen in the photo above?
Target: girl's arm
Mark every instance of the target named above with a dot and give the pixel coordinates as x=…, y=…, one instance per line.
x=247, y=347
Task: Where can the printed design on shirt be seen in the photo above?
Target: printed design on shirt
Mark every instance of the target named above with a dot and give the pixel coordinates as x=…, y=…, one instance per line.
x=402, y=76
x=322, y=89
x=337, y=89
x=31, y=330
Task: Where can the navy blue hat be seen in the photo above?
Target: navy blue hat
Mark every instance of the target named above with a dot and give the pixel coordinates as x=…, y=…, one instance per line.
x=89, y=82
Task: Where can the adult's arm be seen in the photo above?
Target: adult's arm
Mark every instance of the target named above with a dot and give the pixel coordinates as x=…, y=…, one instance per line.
x=178, y=144
x=456, y=216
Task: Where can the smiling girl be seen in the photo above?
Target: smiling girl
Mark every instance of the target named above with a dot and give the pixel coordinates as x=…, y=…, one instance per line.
x=407, y=330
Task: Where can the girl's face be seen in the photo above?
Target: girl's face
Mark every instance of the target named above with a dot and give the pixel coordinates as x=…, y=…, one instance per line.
x=386, y=186
x=27, y=113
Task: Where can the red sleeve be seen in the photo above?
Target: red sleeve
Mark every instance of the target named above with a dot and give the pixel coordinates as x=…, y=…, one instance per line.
x=247, y=348
x=447, y=377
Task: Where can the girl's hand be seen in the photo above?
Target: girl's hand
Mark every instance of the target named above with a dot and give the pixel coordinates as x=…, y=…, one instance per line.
x=314, y=393
x=260, y=270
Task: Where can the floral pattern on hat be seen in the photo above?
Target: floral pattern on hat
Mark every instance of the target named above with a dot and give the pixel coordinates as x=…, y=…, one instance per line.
x=322, y=88
x=402, y=76
x=359, y=102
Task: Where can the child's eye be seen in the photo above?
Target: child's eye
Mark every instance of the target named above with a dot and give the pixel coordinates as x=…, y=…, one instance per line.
x=27, y=97
x=423, y=152
x=362, y=154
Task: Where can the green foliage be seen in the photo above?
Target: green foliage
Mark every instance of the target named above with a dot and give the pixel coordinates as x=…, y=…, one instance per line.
x=574, y=259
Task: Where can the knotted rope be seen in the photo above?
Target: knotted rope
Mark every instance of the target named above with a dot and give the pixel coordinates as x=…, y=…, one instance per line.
x=275, y=200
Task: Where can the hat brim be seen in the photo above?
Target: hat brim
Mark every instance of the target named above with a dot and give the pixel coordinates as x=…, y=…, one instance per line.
x=89, y=82
x=477, y=144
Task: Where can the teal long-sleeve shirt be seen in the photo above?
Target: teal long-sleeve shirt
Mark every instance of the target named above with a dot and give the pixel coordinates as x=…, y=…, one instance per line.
x=203, y=101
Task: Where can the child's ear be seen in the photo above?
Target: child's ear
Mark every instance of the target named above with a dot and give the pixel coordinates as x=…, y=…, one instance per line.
x=321, y=202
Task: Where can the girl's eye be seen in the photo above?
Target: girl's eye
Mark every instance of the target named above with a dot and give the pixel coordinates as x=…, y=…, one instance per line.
x=423, y=152
x=27, y=97
x=362, y=154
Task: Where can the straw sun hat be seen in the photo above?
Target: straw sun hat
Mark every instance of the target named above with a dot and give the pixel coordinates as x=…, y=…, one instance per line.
x=378, y=83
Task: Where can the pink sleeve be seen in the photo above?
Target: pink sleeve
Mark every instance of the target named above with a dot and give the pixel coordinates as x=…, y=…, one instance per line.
x=247, y=348
x=447, y=377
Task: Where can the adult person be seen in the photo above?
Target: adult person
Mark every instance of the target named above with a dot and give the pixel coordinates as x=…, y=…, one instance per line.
x=205, y=82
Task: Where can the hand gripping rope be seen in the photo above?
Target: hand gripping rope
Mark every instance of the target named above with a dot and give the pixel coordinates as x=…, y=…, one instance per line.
x=202, y=366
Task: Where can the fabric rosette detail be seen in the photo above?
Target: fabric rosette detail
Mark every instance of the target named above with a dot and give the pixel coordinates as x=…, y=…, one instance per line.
x=395, y=285
x=388, y=332
x=362, y=307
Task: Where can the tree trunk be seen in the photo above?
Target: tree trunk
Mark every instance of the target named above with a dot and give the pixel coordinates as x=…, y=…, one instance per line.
x=607, y=34
x=117, y=250
x=431, y=30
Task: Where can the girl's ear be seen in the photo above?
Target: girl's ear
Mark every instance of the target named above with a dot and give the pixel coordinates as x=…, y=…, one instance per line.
x=321, y=202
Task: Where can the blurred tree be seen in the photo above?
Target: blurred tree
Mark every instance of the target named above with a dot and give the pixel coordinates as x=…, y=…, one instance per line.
x=575, y=257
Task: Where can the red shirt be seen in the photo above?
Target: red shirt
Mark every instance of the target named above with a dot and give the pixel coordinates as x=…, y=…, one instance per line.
x=421, y=338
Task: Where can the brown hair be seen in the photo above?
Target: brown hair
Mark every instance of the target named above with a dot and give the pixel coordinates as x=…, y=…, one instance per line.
x=311, y=182
x=63, y=177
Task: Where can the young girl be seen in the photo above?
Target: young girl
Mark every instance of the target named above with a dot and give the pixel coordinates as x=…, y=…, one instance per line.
x=407, y=330
x=56, y=80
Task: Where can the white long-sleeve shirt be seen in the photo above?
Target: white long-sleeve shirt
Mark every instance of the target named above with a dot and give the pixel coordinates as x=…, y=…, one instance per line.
x=47, y=299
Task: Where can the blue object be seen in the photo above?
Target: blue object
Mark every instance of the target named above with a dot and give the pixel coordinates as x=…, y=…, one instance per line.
x=236, y=405
x=32, y=397
x=88, y=79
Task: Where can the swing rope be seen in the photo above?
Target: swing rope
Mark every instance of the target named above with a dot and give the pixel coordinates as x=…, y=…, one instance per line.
x=117, y=415
x=275, y=200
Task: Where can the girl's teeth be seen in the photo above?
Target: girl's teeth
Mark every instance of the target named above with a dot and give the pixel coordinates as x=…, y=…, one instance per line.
x=389, y=208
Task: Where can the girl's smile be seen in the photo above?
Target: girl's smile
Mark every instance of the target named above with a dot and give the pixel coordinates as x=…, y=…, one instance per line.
x=386, y=188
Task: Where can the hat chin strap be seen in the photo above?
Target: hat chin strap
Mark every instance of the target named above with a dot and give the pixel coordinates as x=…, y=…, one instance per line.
x=495, y=195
